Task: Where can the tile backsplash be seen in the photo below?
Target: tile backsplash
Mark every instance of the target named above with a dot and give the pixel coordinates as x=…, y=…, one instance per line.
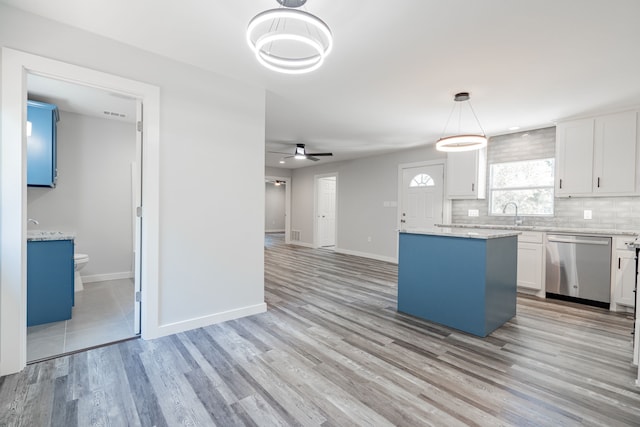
x=620, y=213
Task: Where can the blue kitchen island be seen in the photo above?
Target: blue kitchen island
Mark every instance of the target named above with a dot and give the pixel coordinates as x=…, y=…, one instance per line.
x=461, y=279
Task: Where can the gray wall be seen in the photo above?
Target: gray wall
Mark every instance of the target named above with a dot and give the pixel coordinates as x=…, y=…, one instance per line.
x=363, y=187
x=93, y=195
x=211, y=258
x=365, y=184
x=274, y=197
x=622, y=213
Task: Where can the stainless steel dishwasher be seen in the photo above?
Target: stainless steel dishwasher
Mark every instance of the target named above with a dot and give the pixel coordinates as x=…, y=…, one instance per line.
x=579, y=267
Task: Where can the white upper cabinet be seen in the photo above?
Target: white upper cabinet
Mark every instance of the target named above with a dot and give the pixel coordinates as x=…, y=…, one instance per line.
x=574, y=157
x=466, y=174
x=614, y=160
x=597, y=156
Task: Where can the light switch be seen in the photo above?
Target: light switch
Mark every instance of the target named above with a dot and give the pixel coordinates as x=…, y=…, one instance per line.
x=588, y=214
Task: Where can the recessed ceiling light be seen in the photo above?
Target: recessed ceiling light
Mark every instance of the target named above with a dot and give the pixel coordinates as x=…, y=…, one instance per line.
x=514, y=128
x=281, y=161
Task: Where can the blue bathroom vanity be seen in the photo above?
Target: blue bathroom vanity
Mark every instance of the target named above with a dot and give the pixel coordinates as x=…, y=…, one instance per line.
x=50, y=269
x=42, y=121
x=461, y=279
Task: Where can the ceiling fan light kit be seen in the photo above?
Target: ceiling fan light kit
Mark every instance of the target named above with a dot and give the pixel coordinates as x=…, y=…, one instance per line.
x=462, y=142
x=288, y=40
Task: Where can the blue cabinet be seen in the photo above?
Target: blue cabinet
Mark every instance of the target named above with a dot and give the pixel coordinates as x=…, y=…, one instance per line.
x=49, y=281
x=41, y=144
x=468, y=284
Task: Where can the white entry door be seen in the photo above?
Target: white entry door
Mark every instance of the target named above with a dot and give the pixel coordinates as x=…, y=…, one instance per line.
x=326, y=213
x=422, y=197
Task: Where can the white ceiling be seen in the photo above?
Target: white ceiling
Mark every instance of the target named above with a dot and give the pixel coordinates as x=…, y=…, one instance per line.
x=395, y=66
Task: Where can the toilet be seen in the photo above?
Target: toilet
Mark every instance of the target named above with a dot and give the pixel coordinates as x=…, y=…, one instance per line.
x=79, y=260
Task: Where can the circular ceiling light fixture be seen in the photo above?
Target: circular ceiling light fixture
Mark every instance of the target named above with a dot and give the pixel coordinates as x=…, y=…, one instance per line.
x=462, y=142
x=288, y=40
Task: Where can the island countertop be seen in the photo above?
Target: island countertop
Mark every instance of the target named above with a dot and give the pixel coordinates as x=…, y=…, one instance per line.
x=462, y=233
x=42, y=235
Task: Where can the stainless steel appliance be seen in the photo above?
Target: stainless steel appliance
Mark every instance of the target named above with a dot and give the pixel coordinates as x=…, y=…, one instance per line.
x=579, y=266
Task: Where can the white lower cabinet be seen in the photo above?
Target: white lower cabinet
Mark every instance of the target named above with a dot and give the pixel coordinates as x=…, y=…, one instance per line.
x=531, y=262
x=624, y=267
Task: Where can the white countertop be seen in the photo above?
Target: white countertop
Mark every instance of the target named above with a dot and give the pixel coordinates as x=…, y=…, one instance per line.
x=597, y=231
x=41, y=235
x=456, y=232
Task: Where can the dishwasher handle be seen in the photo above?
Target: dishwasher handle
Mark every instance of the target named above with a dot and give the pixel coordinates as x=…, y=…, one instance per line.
x=578, y=240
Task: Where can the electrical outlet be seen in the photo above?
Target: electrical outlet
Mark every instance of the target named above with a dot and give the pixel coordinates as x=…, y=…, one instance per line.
x=588, y=214
x=369, y=239
x=473, y=212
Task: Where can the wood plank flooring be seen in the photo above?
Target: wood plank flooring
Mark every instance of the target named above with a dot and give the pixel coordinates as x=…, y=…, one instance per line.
x=332, y=351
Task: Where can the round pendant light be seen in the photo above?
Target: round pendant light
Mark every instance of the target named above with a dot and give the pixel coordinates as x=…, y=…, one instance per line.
x=288, y=40
x=462, y=142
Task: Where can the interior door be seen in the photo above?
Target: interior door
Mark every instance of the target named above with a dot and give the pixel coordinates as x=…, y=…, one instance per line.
x=136, y=180
x=326, y=211
x=422, y=197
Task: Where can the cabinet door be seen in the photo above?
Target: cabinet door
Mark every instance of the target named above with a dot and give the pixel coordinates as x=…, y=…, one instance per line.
x=49, y=281
x=625, y=278
x=466, y=174
x=574, y=157
x=615, y=145
x=41, y=144
x=530, y=266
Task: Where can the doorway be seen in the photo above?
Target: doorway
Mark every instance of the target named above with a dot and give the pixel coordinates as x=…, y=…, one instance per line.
x=96, y=138
x=421, y=196
x=13, y=219
x=282, y=208
x=326, y=188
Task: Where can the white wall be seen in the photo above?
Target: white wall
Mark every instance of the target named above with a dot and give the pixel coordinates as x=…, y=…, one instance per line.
x=363, y=187
x=274, y=217
x=211, y=131
x=93, y=194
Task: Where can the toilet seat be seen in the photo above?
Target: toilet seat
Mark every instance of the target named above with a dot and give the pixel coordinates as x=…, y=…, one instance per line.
x=80, y=257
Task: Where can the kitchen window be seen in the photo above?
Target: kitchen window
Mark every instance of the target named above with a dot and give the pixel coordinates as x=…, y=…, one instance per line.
x=529, y=184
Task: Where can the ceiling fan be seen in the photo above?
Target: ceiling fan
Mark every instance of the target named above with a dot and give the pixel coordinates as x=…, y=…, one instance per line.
x=301, y=154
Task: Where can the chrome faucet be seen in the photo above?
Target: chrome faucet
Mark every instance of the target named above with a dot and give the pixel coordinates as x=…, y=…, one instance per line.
x=516, y=220
x=33, y=221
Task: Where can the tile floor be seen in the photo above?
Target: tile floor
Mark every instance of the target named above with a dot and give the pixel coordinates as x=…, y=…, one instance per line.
x=103, y=313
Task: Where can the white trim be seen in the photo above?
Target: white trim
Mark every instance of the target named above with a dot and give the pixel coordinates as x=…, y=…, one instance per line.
x=199, y=322
x=303, y=244
x=278, y=230
x=287, y=205
x=13, y=189
x=108, y=276
x=367, y=255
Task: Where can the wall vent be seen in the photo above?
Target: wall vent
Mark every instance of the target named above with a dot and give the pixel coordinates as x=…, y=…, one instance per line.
x=295, y=235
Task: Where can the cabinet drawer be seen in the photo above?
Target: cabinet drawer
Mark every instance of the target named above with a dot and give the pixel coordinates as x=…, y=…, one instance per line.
x=530, y=237
x=621, y=241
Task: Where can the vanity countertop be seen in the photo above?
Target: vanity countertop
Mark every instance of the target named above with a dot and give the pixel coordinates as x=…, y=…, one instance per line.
x=42, y=235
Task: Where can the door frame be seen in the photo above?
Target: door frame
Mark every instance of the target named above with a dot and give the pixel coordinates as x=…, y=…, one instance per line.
x=13, y=193
x=287, y=203
x=316, y=178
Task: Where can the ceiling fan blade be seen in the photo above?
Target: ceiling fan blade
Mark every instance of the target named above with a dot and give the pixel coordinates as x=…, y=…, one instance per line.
x=319, y=154
x=277, y=152
x=308, y=157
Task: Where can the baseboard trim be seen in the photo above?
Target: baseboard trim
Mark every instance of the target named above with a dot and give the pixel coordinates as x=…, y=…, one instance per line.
x=212, y=319
x=108, y=276
x=303, y=244
x=392, y=260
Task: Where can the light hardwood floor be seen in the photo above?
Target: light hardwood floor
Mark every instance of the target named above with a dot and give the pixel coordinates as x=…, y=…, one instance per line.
x=332, y=350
